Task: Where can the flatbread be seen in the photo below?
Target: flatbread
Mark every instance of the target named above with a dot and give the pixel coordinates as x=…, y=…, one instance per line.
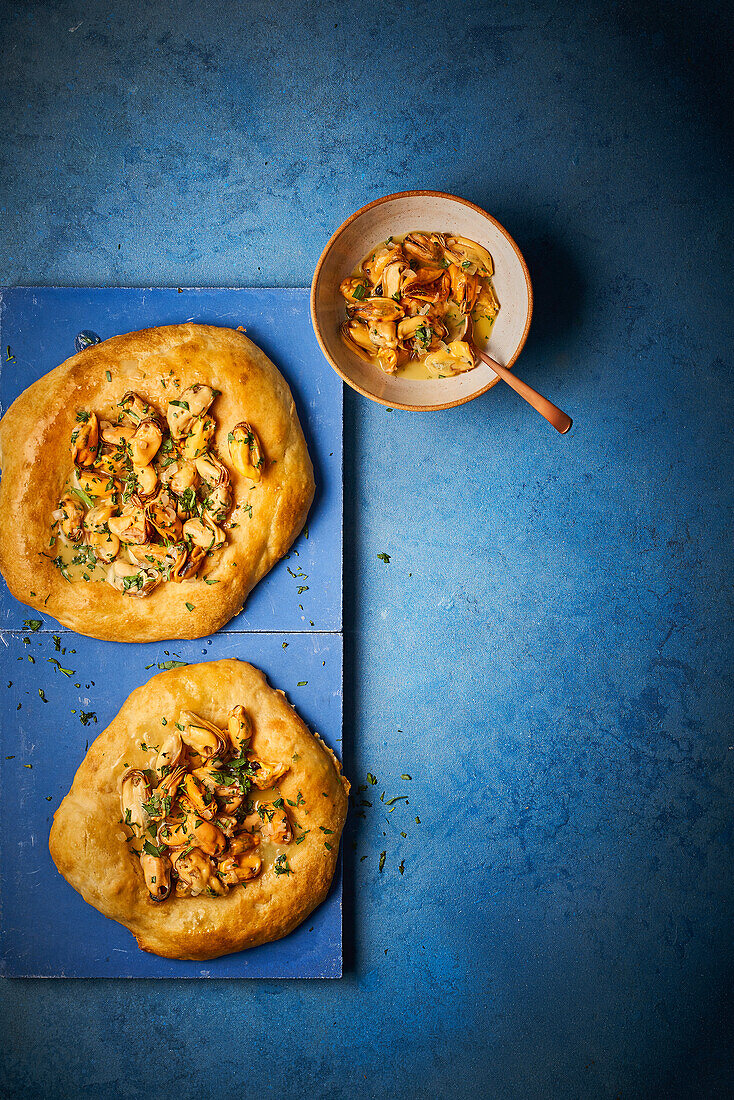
x=36, y=461
x=89, y=844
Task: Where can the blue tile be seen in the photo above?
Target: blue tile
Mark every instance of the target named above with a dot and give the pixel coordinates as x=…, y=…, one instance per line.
x=44, y=738
x=39, y=326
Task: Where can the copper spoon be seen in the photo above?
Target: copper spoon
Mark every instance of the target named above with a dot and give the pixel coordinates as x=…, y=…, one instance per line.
x=555, y=416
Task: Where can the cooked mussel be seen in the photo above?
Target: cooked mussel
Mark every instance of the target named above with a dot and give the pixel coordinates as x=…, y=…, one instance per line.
x=240, y=868
x=70, y=516
x=198, y=437
x=131, y=526
x=199, y=797
x=132, y=581
x=104, y=544
x=245, y=451
x=374, y=310
x=239, y=730
x=277, y=827
x=197, y=872
x=264, y=775
x=193, y=402
x=187, y=563
x=163, y=517
x=157, y=873
x=425, y=247
x=85, y=439
x=134, y=794
x=204, y=533
x=171, y=754
x=136, y=408
x=206, y=739
x=145, y=444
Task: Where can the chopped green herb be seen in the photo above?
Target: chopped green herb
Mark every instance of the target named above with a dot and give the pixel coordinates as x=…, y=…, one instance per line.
x=108, y=376
x=324, y=830
x=392, y=801
x=66, y=671
x=383, y=856
x=209, y=580
x=371, y=779
x=87, y=716
x=384, y=557
x=85, y=498
x=190, y=606
x=32, y=624
x=401, y=867
x=152, y=849
x=171, y=664
x=281, y=865
x=405, y=777
x=327, y=845
x=40, y=692
x=301, y=683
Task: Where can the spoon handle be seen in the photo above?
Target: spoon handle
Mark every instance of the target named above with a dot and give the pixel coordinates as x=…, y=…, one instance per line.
x=555, y=416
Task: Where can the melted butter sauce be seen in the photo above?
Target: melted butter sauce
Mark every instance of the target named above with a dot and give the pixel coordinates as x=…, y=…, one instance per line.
x=415, y=369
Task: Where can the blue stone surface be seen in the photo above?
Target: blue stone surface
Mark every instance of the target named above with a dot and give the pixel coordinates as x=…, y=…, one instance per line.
x=547, y=654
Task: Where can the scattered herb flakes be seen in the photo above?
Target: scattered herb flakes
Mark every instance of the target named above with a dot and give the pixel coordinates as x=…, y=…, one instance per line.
x=417, y=821
x=57, y=643
x=384, y=557
x=210, y=580
x=31, y=659
x=383, y=857
x=285, y=645
x=305, y=531
x=190, y=606
x=87, y=716
x=371, y=779
x=301, y=683
x=27, y=765
x=152, y=849
x=327, y=846
x=404, y=836
x=397, y=798
x=9, y=357
x=165, y=665
x=302, y=588
x=48, y=797
x=281, y=865
x=108, y=376
x=406, y=777
x=164, y=721
x=33, y=624
x=325, y=830
x=401, y=867
x=66, y=671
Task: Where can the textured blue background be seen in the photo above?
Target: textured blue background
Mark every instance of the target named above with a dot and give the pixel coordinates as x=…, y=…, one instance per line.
x=553, y=675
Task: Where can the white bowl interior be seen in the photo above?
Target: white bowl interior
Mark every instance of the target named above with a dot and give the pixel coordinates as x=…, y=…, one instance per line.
x=398, y=216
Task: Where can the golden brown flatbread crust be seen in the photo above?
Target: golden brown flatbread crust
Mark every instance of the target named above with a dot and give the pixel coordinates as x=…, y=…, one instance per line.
x=88, y=843
x=35, y=457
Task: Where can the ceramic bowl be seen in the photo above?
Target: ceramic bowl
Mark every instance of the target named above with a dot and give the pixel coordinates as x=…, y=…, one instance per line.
x=399, y=214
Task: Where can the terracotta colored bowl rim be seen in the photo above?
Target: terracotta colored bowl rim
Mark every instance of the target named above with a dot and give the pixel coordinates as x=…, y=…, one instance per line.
x=330, y=244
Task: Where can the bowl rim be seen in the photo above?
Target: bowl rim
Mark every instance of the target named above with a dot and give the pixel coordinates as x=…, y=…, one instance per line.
x=330, y=244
